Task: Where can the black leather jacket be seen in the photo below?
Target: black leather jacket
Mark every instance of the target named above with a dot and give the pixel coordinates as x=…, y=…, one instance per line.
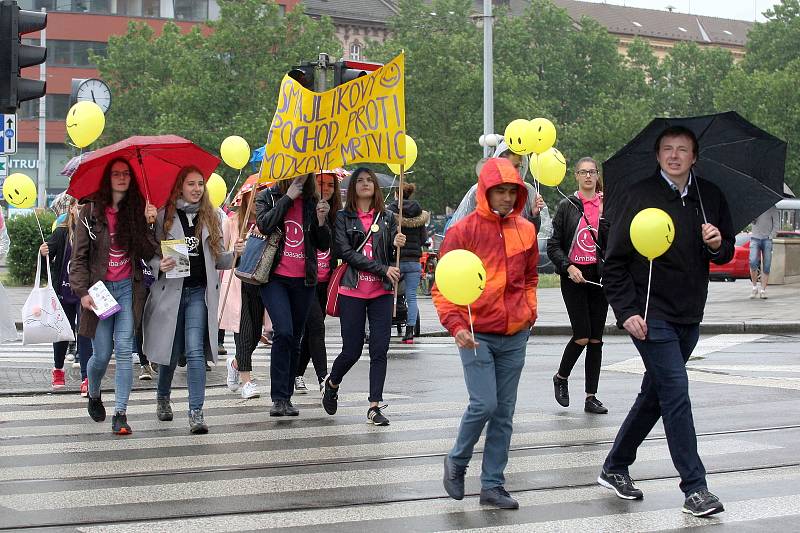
x=271, y=208
x=348, y=236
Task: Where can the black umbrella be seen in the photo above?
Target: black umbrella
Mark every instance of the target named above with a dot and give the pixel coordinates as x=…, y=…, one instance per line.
x=744, y=161
x=383, y=180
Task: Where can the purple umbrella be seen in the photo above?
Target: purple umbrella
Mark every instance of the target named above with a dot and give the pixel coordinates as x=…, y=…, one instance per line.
x=72, y=165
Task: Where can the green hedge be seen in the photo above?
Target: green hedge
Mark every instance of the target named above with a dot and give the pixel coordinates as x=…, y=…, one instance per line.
x=25, y=241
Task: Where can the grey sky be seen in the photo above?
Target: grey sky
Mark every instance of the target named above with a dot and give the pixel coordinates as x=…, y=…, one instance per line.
x=731, y=9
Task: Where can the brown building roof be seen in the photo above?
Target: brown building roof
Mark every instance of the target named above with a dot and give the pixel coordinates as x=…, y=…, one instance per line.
x=379, y=11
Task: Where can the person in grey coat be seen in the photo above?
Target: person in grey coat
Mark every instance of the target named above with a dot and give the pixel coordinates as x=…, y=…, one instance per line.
x=186, y=305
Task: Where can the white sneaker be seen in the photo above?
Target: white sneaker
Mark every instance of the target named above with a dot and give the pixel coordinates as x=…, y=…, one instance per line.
x=233, y=375
x=250, y=390
x=70, y=357
x=300, y=385
x=754, y=293
x=762, y=293
x=76, y=363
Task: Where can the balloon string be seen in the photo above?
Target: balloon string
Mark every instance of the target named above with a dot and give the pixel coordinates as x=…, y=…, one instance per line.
x=647, y=300
x=40, y=226
x=233, y=189
x=472, y=330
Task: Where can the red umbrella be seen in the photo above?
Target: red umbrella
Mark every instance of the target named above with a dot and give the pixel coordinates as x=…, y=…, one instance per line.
x=155, y=160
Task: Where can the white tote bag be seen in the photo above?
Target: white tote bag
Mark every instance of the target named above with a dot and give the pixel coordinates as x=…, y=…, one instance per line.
x=43, y=318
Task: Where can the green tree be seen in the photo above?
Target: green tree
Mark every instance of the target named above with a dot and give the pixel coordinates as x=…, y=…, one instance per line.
x=213, y=81
x=775, y=43
x=25, y=241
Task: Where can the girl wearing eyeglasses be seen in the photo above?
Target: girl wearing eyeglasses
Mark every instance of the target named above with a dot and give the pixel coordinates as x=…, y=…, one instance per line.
x=576, y=250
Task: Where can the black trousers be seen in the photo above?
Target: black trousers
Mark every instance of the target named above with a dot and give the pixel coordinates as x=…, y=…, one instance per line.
x=251, y=320
x=587, y=309
x=312, y=346
x=353, y=316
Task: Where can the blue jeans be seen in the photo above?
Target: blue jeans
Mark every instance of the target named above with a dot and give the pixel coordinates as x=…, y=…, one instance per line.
x=411, y=271
x=665, y=393
x=353, y=315
x=288, y=301
x=114, y=333
x=492, y=378
x=190, y=335
x=760, y=254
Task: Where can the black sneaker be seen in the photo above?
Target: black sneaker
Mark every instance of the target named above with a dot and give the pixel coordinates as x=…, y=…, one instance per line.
x=593, y=405
x=561, y=391
x=376, y=417
x=221, y=350
x=283, y=408
x=197, y=423
x=163, y=409
x=96, y=409
x=621, y=484
x=498, y=497
x=702, y=503
x=330, y=397
x=119, y=424
x=453, y=479
x=289, y=409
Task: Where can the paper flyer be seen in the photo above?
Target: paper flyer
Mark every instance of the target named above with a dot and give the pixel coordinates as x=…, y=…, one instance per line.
x=104, y=304
x=178, y=250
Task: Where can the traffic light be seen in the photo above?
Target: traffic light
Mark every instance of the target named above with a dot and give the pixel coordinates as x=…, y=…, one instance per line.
x=15, y=56
x=344, y=71
x=304, y=74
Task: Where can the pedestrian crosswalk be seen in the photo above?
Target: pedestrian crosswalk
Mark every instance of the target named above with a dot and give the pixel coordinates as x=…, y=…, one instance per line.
x=323, y=473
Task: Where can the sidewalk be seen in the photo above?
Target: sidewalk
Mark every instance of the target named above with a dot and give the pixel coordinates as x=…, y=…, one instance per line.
x=728, y=310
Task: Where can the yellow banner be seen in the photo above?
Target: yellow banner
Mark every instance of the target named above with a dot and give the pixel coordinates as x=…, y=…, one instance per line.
x=360, y=121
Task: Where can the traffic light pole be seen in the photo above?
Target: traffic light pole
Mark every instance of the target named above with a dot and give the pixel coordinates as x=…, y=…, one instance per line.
x=42, y=170
x=321, y=74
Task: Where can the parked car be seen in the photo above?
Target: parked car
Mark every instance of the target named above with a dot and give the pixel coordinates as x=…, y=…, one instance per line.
x=545, y=265
x=736, y=268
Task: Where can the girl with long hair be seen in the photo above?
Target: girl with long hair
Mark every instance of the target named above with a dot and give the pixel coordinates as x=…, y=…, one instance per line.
x=181, y=312
x=294, y=208
x=366, y=287
x=112, y=238
x=575, y=249
x=59, y=249
x=312, y=345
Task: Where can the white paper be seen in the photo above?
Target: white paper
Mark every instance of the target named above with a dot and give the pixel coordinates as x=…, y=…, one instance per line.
x=178, y=250
x=104, y=304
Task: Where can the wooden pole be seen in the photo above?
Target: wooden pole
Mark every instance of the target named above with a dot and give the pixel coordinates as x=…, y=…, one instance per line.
x=399, y=230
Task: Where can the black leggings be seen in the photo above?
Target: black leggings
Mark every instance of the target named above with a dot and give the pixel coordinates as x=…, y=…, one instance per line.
x=251, y=320
x=587, y=309
x=312, y=346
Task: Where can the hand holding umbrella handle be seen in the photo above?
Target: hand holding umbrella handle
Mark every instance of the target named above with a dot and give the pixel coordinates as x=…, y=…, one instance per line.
x=150, y=213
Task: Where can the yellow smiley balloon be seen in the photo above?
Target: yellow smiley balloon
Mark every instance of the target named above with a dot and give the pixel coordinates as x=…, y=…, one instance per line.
x=235, y=152
x=411, y=156
x=549, y=168
x=460, y=277
x=652, y=232
x=85, y=123
x=519, y=136
x=217, y=189
x=544, y=135
x=19, y=191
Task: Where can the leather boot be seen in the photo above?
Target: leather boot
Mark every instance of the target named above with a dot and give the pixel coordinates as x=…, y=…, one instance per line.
x=408, y=338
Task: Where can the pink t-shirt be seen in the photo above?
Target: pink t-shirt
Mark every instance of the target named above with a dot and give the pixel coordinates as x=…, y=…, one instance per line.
x=293, y=262
x=584, y=249
x=119, y=262
x=369, y=285
x=323, y=266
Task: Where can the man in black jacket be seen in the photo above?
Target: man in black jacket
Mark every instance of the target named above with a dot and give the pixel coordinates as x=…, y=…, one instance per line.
x=678, y=290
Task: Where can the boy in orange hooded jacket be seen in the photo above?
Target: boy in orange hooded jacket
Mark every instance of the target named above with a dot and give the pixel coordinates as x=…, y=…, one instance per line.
x=502, y=316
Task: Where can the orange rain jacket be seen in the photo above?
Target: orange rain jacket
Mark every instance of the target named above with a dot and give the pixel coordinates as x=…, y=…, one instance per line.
x=508, y=248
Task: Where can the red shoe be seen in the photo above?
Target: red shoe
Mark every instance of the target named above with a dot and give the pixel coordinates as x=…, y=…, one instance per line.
x=85, y=387
x=58, y=379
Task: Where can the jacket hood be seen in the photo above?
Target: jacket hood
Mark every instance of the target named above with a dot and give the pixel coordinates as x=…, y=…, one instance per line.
x=523, y=166
x=411, y=208
x=497, y=171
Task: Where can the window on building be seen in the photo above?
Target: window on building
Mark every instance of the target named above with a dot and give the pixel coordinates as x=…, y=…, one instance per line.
x=139, y=8
x=87, y=6
x=56, y=105
x=355, y=51
x=191, y=9
x=70, y=53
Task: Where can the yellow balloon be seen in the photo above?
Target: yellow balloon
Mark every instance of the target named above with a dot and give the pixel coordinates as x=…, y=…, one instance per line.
x=411, y=156
x=549, y=168
x=235, y=152
x=519, y=136
x=85, y=123
x=217, y=189
x=460, y=277
x=544, y=135
x=652, y=232
x=19, y=191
